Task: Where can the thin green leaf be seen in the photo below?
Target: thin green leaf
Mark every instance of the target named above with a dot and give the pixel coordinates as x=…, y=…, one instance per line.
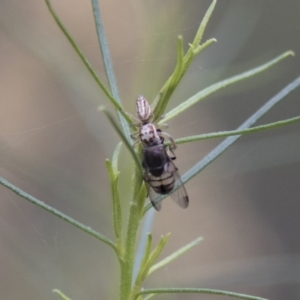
x=108, y=66
x=122, y=136
x=206, y=136
x=203, y=46
x=175, y=255
x=146, y=227
x=154, y=255
x=61, y=295
x=144, y=269
x=230, y=140
x=115, y=158
x=159, y=101
x=116, y=204
x=204, y=22
x=183, y=62
x=104, y=49
x=197, y=291
x=144, y=262
x=149, y=297
x=147, y=250
x=219, y=85
x=85, y=61
x=57, y=213
x=141, y=198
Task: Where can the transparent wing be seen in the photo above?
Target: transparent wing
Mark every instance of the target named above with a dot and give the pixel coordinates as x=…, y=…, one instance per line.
x=180, y=195
x=153, y=196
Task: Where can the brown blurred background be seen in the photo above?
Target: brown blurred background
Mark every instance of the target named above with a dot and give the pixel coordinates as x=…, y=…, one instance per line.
x=54, y=143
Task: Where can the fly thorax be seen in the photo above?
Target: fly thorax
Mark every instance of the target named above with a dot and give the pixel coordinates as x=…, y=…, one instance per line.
x=149, y=135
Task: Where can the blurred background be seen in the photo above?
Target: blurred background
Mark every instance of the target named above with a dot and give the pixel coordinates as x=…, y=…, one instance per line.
x=53, y=144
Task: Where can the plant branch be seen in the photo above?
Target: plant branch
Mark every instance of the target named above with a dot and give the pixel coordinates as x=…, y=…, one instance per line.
x=183, y=62
x=230, y=140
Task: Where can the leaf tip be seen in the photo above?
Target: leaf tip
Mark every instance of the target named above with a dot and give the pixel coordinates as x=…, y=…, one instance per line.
x=167, y=235
x=199, y=239
x=291, y=53
x=101, y=108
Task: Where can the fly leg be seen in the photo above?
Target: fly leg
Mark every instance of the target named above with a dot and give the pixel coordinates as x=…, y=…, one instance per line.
x=163, y=134
x=172, y=156
x=134, y=135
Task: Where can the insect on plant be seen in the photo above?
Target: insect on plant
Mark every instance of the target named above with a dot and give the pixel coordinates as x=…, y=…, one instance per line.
x=160, y=173
x=157, y=160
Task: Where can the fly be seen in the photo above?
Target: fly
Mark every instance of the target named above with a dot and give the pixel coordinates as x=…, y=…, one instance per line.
x=160, y=173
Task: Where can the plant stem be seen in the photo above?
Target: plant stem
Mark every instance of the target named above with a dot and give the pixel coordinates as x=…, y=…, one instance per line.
x=127, y=261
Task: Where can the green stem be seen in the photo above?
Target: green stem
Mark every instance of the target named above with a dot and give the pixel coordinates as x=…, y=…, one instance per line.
x=127, y=261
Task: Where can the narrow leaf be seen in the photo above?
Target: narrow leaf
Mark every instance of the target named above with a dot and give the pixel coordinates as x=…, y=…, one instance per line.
x=197, y=291
x=206, y=136
x=104, y=48
x=154, y=255
x=115, y=158
x=183, y=62
x=122, y=136
x=116, y=204
x=149, y=297
x=85, y=61
x=147, y=263
x=204, y=22
x=147, y=250
x=57, y=213
x=175, y=255
x=219, y=85
x=143, y=266
x=108, y=66
x=230, y=140
x=203, y=46
x=61, y=295
x=141, y=197
x=160, y=102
